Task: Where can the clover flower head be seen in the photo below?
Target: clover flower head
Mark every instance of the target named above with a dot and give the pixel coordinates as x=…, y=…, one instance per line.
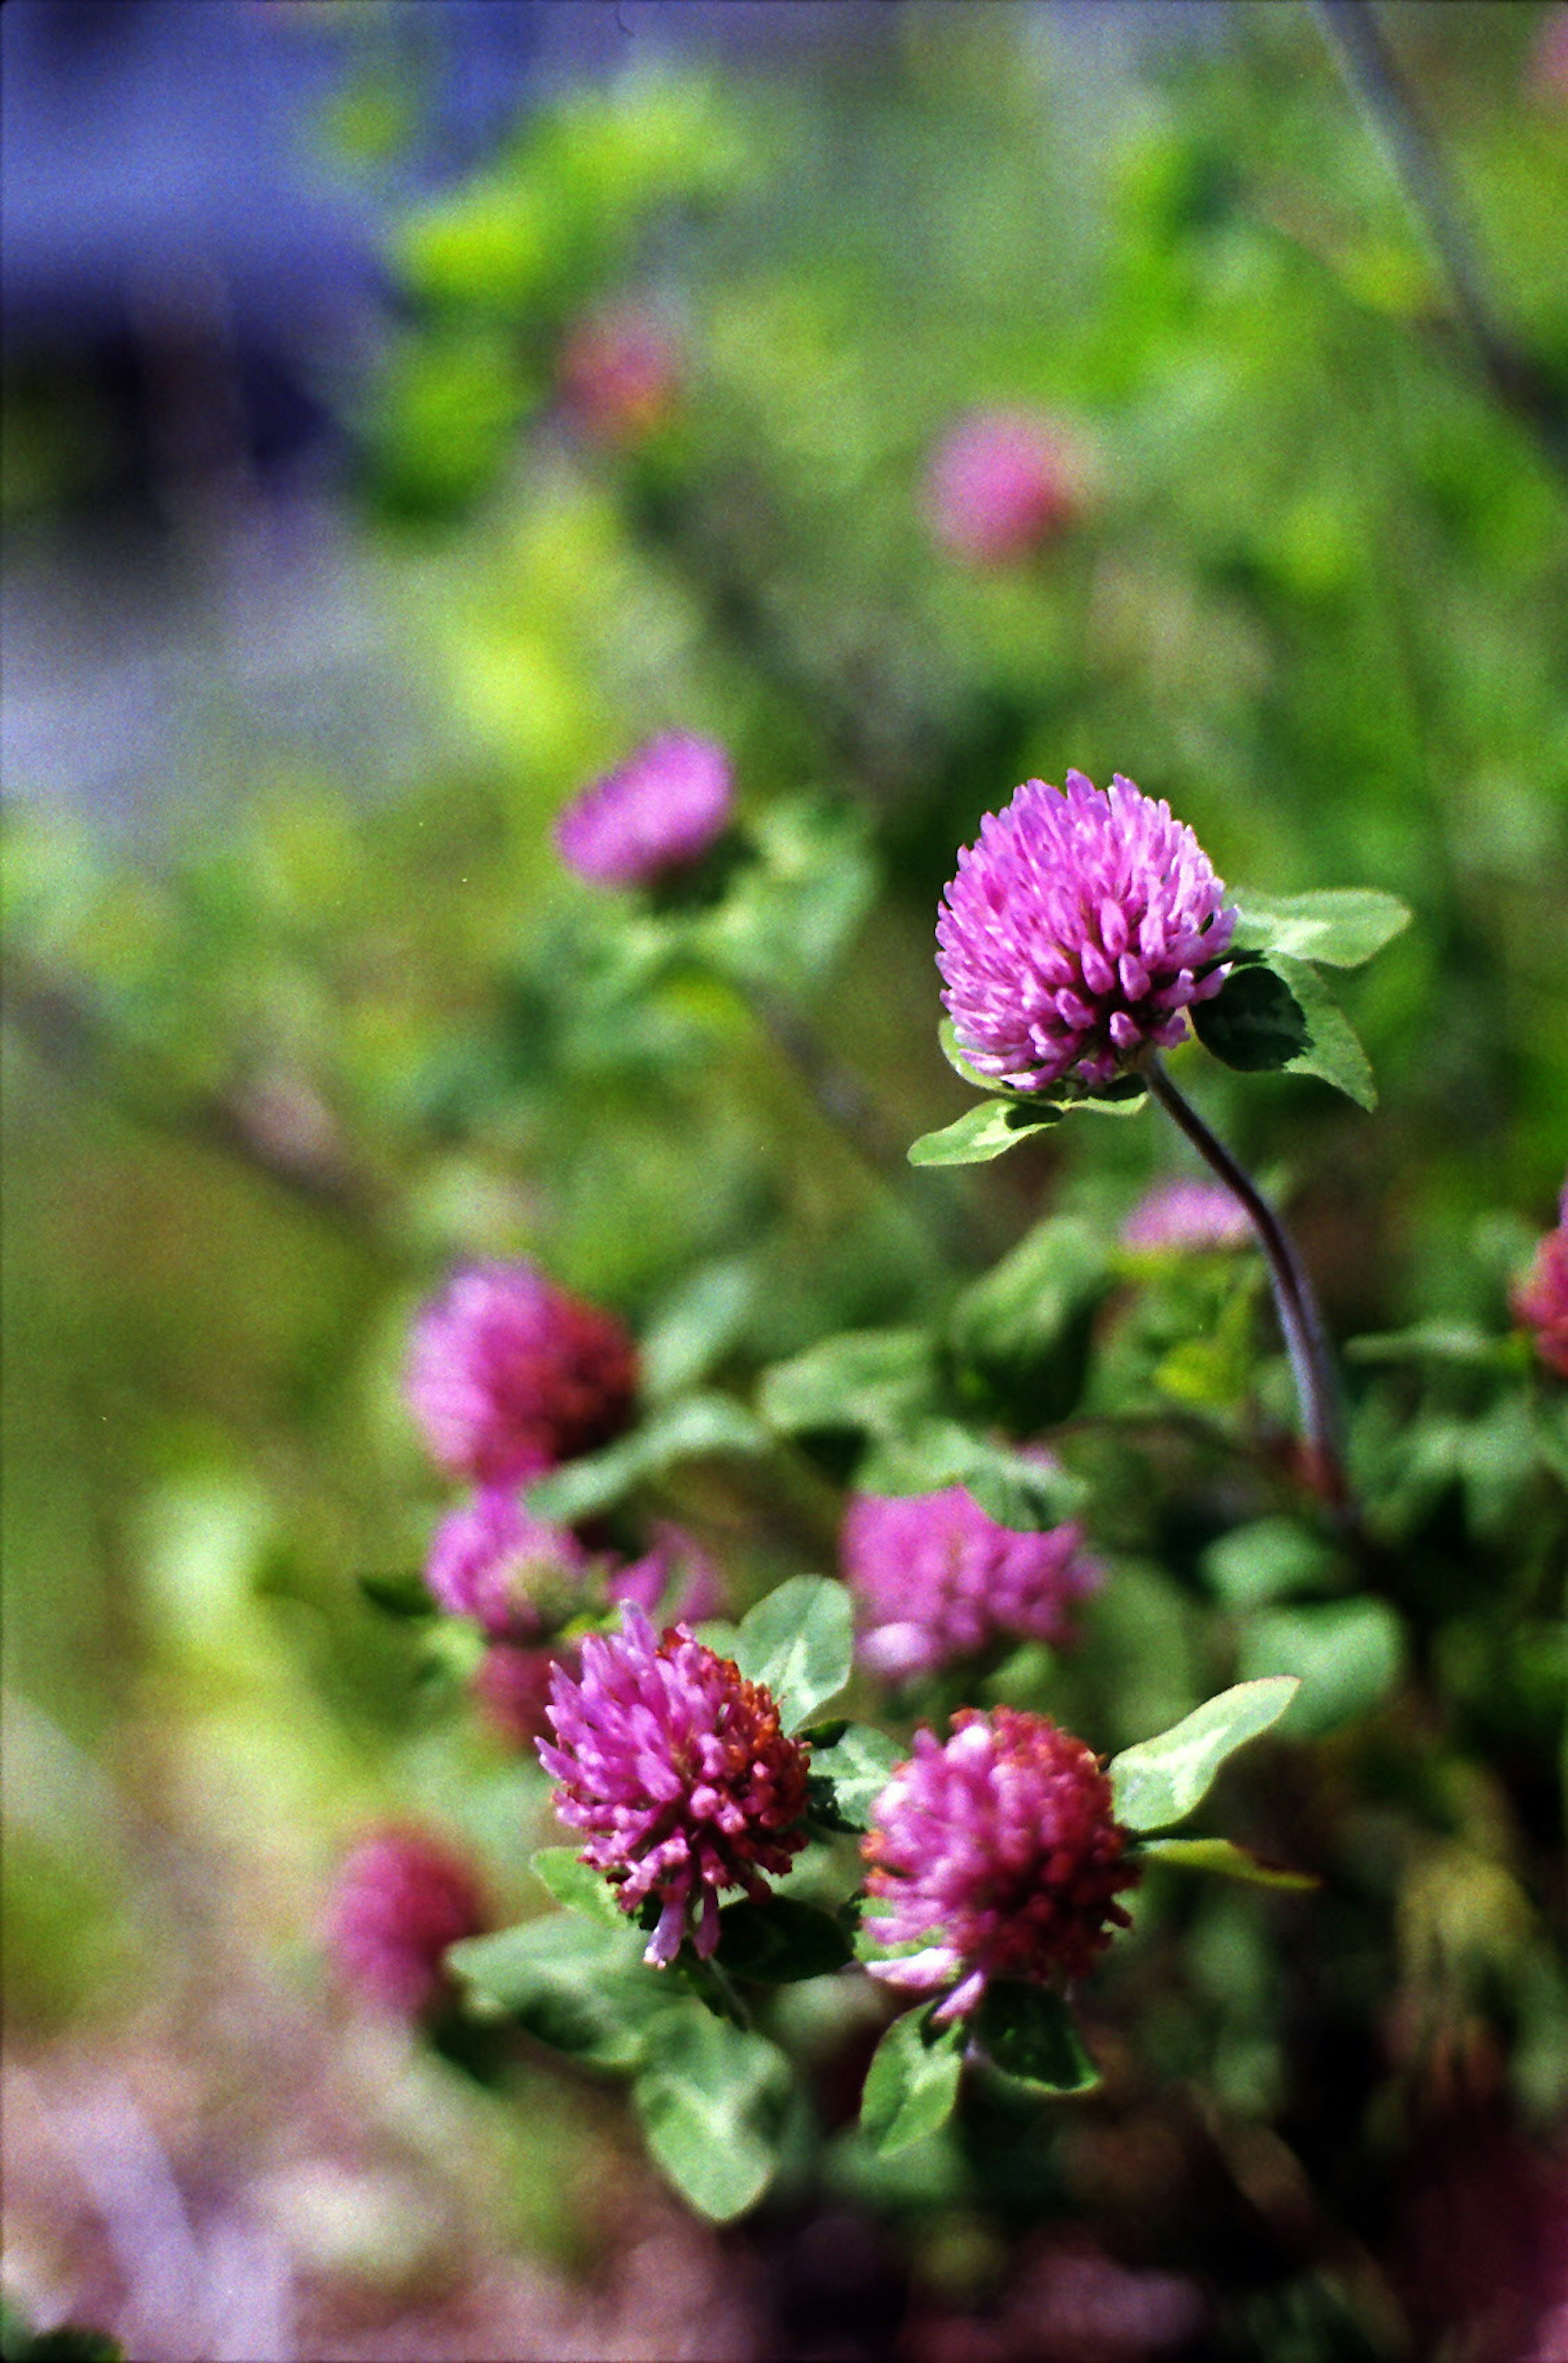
x=1082, y=926
x=997, y=1854
x=400, y=1898
x=509, y=1375
x=659, y=812
x=514, y=1574
x=936, y=1579
x=621, y=374
x=676, y=1768
x=1195, y=1216
x=1540, y=1295
x=1003, y=483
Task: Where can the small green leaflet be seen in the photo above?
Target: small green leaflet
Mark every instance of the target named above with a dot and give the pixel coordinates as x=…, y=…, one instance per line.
x=685, y=1430
x=1229, y=1861
x=798, y=1642
x=710, y=2097
x=780, y=1942
x=847, y=1777
x=1160, y=1780
x=576, y=1887
x=1342, y=927
x=570, y=1984
x=1026, y=2030
x=985, y=1132
x=1282, y=1018
x=912, y=2082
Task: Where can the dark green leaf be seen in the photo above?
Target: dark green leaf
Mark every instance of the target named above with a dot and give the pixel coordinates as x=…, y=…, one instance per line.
x=872, y=1381
x=576, y=1886
x=689, y=1429
x=570, y=1984
x=911, y=2083
x=1024, y=1492
x=985, y=1132
x=399, y=1595
x=779, y=1943
x=710, y=2098
x=696, y=1326
x=1282, y=1018
x=798, y=1642
x=1269, y=1558
x=847, y=1777
x=1343, y=928
x=1027, y=2032
x=1160, y=1780
x=1229, y=1861
x=1021, y=1334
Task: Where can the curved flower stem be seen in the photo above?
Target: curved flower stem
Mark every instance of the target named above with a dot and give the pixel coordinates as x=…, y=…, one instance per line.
x=1294, y=1298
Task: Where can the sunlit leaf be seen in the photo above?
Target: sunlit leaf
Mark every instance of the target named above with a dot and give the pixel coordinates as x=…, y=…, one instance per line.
x=911, y=2083
x=799, y=1642
x=1160, y=1780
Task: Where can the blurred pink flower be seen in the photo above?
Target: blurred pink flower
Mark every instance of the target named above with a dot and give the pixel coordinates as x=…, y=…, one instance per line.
x=1547, y=73
x=1194, y=1215
x=1081, y=927
x=509, y=1375
x=677, y=1767
x=998, y=1855
x=401, y=1897
x=511, y=1687
x=659, y=811
x=515, y=1575
x=1540, y=1295
x=676, y=1580
x=621, y=374
x=936, y=1579
x=1003, y=483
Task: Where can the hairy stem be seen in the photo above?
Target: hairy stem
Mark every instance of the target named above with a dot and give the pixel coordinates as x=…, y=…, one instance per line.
x=1294, y=1298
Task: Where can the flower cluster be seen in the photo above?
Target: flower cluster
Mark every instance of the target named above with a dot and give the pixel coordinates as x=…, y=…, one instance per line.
x=1540, y=1297
x=400, y=1899
x=1002, y=483
x=937, y=1578
x=1082, y=926
x=509, y=1375
x=677, y=1769
x=1192, y=1215
x=515, y=1575
x=657, y=813
x=997, y=1854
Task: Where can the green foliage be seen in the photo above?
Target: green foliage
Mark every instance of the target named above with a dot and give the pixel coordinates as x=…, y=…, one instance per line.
x=911, y=2087
x=799, y=1643
x=710, y=2099
x=1027, y=2032
x=1161, y=1780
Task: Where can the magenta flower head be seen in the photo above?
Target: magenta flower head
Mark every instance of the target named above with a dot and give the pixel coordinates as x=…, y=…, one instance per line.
x=1186, y=1215
x=997, y=1854
x=621, y=374
x=936, y=1579
x=1003, y=483
x=401, y=1897
x=678, y=1769
x=515, y=1575
x=660, y=812
x=1540, y=1297
x=509, y=1375
x=1082, y=926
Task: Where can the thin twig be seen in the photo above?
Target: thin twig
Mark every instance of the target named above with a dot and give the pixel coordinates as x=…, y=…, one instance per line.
x=1519, y=382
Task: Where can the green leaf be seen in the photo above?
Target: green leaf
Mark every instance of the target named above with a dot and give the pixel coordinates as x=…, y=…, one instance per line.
x=689, y=1429
x=1160, y=1780
x=1268, y=1558
x=1019, y=1490
x=1027, y=2032
x=947, y=1035
x=781, y=1942
x=790, y=913
x=406, y=1596
x=799, y=1642
x=1343, y=926
x=911, y=2083
x=985, y=1132
x=871, y=1381
x=577, y=1887
x=1021, y=1334
x=710, y=2098
x=847, y=1777
x=568, y=1984
x=1282, y=1018
x=1229, y=1861
x=696, y=1326
x=1436, y=1341
x=1345, y=1655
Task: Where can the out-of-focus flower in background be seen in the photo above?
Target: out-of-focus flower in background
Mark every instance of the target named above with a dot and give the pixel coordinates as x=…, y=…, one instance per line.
x=1540, y=1295
x=937, y=1578
x=400, y=1898
x=621, y=374
x=1003, y=483
x=658, y=812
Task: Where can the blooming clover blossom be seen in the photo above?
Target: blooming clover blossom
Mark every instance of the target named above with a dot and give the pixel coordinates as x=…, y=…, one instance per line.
x=400, y=1899
x=1002, y=482
x=936, y=1579
x=678, y=1769
x=508, y=1375
x=515, y=1574
x=1540, y=1297
x=997, y=1854
x=659, y=811
x=1081, y=927
x=621, y=374
x=1196, y=1214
